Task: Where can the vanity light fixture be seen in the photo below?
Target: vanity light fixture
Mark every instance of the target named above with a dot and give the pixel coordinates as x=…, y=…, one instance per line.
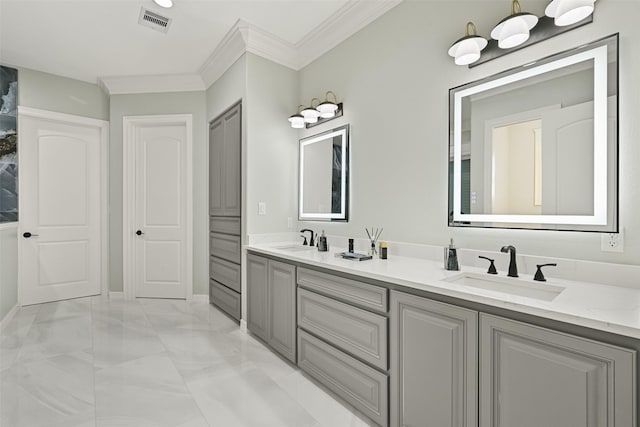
x=310, y=113
x=568, y=12
x=514, y=29
x=466, y=50
x=164, y=3
x=327, y=109
x=297, y=120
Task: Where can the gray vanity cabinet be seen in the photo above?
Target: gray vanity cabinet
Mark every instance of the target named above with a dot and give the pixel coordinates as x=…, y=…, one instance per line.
x=532, y=376
x=271, y=303
x=433, y=357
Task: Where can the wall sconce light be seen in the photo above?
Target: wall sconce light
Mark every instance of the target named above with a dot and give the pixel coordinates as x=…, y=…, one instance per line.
x=466, y=50
x=327, y=108
x=314, y=115
x=567, y=12
x=521, y=29
x=514, y=29
x=297, y=120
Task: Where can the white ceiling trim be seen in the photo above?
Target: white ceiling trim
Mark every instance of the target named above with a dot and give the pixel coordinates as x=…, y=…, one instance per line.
x=348, y=20
x=245, y=37
x=152, y=84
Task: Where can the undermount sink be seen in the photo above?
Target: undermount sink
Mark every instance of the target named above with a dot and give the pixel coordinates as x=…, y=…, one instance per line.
x=507, y=285
x=294, y=248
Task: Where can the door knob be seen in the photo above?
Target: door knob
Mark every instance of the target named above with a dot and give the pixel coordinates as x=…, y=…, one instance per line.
x=139, y=233
x=27, y=235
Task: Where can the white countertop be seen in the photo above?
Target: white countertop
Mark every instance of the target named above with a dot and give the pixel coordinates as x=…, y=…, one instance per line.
x=602, y=307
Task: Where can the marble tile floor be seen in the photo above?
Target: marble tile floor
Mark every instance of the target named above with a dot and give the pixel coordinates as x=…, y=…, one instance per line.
x=93, y=362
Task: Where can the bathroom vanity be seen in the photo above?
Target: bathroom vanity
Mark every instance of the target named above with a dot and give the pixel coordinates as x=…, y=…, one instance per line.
x=409, y=344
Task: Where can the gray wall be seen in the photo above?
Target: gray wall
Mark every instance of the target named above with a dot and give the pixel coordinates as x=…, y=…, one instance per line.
x=156, y=104
x=399, y=151
x=8, y=270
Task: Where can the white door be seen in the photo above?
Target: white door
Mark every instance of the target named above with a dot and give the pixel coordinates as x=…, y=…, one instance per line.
x=161, y=218
x=62, y=202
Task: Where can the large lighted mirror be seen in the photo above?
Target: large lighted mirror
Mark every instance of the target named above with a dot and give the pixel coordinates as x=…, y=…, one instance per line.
x=324, y=176
x=537, y=146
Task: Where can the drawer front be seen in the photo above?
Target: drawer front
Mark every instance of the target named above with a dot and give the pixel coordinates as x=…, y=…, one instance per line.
x=363, y=294
x=361, y=386
x=224, y=298
x=357, y=331
x=225, y=246
x=225, y=272
x=223, y=224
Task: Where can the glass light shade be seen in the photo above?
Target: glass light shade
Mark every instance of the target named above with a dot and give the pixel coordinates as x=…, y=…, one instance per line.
x=567, y=12
x=467, y=49
x=514, y=30
x=297, y=121
x=310, y=115
x=327, y=109
x=164, y=3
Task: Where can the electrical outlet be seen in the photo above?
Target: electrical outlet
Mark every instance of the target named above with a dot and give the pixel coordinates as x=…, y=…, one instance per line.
x=262, y=208
x=613, y=242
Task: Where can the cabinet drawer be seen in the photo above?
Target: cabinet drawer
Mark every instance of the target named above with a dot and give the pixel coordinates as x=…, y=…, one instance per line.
x=225, y=246
x=357, y=331
x=225, y=272
x=363, y=294
x=226, y=225
x=360, y=385
x=224, y=298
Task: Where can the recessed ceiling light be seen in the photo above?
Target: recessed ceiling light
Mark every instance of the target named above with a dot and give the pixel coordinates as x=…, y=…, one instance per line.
x=164, y=3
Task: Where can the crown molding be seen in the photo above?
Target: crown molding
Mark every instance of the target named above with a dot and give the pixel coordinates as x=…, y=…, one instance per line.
x=232, y=47
x=345, y=22
x=152, y=84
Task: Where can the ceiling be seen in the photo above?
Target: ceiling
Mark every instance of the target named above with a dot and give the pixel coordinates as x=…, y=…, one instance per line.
x=90, y=39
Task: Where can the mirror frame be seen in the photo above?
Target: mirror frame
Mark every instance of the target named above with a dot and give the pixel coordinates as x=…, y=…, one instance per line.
x=596, y=51
x=343, y=215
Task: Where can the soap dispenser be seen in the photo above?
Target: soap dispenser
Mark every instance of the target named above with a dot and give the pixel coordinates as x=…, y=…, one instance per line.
x=323, y=246
x=451, y=257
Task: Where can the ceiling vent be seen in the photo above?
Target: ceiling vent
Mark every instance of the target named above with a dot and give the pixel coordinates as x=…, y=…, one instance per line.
x=154, y=20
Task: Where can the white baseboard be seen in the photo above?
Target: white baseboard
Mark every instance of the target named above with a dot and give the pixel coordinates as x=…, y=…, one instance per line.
x=200, y=298
x=243, y=326
x=116, y=295
x=7, y=318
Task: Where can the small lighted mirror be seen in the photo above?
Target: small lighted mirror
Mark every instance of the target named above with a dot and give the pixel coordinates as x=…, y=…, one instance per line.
x=537, y=146
x=324, y=176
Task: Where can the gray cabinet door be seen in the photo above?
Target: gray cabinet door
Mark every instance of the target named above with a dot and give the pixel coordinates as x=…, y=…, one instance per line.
x=532, y=377
x=225, y=142
x=216, y=162
x=433, y=363
x=257, y=294
x=282, y=309
x=231, y=184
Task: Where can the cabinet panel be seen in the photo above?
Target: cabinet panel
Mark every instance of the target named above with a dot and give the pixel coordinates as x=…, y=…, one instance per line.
x=362, y=386
x=282, y=308
x=257, y=296
x=434, y=363
x=357, y=331
x=216, y=162
x=225, y=299
x=231, y=184
x=352, y=291
x=225, y=272
x=225, y=246
x=531, y=376
x=225, y=224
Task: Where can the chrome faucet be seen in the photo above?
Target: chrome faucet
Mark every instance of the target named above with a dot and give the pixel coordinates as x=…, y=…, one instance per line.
x=513, y=267
x=311, y=242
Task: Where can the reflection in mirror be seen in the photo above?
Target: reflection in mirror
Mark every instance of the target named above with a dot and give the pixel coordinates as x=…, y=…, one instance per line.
x=536, y=147
x=324, y=177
